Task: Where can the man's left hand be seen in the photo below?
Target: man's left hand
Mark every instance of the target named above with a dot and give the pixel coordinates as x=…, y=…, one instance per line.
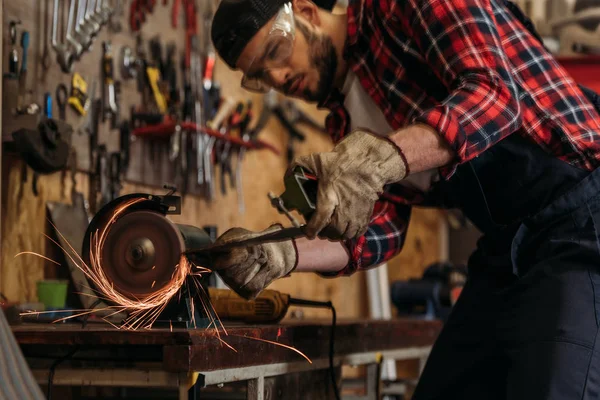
x=351, y=179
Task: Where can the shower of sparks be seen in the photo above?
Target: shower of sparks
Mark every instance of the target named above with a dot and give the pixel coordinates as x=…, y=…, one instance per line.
x=141, y=313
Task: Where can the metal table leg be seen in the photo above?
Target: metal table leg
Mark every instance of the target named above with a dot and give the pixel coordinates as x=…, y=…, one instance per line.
x=256, y=389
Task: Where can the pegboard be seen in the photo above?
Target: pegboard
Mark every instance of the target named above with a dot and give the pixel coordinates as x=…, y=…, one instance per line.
x=149, y=160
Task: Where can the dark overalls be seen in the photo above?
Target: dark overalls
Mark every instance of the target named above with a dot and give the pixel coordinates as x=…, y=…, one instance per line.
x=526, y=324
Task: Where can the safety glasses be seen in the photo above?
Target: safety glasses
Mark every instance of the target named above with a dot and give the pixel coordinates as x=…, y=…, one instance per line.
x=274, y=52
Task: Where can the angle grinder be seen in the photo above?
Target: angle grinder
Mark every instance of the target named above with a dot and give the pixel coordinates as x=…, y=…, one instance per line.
x=142, y=247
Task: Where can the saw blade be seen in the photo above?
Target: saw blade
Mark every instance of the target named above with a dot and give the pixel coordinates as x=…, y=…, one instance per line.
x=141, y=253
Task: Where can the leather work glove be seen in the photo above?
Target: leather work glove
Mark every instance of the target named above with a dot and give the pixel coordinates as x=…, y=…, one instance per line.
x=249, y=270
x=351, y=179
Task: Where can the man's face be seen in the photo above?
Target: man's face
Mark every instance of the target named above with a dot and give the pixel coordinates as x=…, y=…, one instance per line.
x=310, y=61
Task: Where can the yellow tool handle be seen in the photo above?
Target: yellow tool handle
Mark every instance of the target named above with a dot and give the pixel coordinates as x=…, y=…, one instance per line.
x=269, y=307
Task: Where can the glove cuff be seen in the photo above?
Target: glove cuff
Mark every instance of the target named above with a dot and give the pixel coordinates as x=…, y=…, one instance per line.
x=401, y=154
x=390, y=158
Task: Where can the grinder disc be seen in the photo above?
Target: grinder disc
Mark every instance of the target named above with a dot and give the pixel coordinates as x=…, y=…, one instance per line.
x=141, y=252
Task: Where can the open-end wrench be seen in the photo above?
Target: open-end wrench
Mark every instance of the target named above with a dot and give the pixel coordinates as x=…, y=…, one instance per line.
x=83, y=25
x=77, y=47
x=90, y=16
x=103, y=11
x=63, y=53
x=82, y=35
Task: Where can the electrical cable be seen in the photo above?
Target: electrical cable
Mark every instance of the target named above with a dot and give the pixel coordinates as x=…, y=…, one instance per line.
x=325, y=304
x=53, y=368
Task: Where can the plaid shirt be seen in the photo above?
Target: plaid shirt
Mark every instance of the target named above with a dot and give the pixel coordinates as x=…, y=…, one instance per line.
x=470, y=70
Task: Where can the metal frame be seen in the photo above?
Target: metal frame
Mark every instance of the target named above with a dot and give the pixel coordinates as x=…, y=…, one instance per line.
x=255, y=375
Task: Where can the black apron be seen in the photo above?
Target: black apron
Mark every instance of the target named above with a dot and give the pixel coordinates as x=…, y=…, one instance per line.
x=527, y=324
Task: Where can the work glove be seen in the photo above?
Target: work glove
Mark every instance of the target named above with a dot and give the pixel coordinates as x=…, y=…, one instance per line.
x=249, y=269
x=351, y=179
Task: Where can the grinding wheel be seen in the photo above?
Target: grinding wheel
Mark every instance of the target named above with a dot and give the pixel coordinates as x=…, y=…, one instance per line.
x=141, y=252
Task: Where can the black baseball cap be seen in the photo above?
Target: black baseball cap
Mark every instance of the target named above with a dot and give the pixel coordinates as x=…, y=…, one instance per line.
x=237, y=21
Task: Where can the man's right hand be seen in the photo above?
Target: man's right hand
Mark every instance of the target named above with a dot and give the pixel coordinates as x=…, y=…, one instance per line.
x=249, y=270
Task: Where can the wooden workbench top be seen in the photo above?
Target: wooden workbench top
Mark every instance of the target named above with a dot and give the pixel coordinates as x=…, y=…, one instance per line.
x=201, y=349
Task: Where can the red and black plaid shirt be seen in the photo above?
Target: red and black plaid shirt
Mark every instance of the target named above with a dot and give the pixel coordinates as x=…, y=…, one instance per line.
x=470, y=70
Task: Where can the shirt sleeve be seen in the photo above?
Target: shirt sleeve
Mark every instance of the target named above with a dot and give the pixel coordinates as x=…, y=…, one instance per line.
x=384, y=238
x=461, y=43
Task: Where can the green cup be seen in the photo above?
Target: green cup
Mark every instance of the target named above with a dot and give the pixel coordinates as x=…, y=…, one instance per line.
x=53, y=293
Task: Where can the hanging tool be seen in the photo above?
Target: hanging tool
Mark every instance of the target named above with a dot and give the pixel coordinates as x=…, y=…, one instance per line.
x=88, y=23
x=13, y=57
x=128, y=64
x=64, y=57
x=247, y=136
x=61, y=100
x=102, y=176
x=124, y=145
x=95, y=110
x=79, y=99
x=45, y=37
x=115, y=19
x=48, y=105
x=23, y=70
x=153, y=79
x=175, y=13
x=238, y=121
x=82, y=32
x=110, y=108
x=86, y=125
x=76, y=46
x=224, y=113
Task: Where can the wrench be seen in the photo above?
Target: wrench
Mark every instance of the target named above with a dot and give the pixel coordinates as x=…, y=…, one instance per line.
x=82, y=35
x=103, y=12
x=63, y=54
x=78, y=48
x=90, y=17
x=83, y=24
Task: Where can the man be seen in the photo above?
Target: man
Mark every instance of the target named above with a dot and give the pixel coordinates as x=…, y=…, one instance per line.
x=446, y=103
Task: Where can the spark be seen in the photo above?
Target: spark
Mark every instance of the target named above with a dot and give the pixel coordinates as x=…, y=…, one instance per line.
x=226, y=344
x=153, y=282
x=38, y=255
x=277, y=344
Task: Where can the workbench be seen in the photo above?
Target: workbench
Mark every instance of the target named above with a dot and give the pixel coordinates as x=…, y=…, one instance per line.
x=99, y=355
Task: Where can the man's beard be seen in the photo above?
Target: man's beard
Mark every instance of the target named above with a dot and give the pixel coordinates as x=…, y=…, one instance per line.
x=324, y=59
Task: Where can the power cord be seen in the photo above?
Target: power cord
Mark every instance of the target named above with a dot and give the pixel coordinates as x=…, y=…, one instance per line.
x=325, y=304
x=53, y=368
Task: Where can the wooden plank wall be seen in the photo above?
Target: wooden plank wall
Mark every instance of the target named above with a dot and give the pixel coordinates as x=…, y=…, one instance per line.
x=24, y=219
